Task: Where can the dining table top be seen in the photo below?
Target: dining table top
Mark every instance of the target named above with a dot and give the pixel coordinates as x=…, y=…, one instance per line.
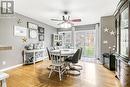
x=64, y=52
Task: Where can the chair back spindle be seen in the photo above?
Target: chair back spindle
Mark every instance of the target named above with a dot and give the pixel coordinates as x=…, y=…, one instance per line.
x=56, y=58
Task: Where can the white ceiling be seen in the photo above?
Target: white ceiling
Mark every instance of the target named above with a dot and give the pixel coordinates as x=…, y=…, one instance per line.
x=89, y=11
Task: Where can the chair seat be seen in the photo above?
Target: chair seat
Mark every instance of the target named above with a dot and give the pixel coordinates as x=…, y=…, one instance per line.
x=3, y=75
x=57, y=64
x=69, y=59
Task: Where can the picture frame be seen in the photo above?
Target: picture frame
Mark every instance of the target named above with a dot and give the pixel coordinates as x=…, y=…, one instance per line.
x=32, y=25
x=33, y=33
x=41, y=37
x=20, y=31
x=41, y=30
x=7, y=7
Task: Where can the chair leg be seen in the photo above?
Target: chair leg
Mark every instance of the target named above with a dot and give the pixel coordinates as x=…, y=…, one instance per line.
x=79, y=67
x=4, y=83
x=74, y=69
x=49, y=67
x=50, y=73
x=59, y=74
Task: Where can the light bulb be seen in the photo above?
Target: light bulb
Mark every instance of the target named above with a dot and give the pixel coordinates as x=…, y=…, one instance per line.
x=66, y=25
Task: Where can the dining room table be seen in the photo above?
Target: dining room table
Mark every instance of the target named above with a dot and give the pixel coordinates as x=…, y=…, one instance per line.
x=64, y=52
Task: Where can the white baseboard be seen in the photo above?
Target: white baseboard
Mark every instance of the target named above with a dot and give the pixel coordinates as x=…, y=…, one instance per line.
x=15, y=66
x=12, y=67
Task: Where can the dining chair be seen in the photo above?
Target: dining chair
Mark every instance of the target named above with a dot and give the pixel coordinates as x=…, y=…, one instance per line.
x=49, y=56
x=74, y=60
x=48, y=52
x=58, y=65
x=52, y=48
x=79, y=67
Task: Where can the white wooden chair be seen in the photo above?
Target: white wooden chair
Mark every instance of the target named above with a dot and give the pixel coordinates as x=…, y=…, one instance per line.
x=3, y=77
x=58, y=64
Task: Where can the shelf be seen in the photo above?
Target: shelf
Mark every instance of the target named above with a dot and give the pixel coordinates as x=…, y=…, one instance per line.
x=34, y=50
x=39, y=59
x=33, y=54
x=2, y=47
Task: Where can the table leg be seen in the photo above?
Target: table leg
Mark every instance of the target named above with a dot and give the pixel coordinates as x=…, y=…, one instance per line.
x=24, y=57
x=4, y=83
x=34, y=57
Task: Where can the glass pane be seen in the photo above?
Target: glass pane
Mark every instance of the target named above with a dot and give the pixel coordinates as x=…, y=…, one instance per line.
x=67, y=39
x=124, y=32
x=86, y=40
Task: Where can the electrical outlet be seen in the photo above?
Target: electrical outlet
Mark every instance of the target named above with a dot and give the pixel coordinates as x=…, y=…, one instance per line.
x=4, y=62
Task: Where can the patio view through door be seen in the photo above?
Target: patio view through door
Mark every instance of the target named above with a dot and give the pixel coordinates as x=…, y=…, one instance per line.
x=86, y=40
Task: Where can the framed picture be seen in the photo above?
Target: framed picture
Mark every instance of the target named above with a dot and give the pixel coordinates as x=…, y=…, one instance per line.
x=20, y=31
x=40, y=30
x=33, y=33
x=31, y=25
x=41, y=37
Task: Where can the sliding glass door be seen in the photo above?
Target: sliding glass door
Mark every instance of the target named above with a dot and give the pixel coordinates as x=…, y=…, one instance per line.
x=86, y=40
x=81, y=38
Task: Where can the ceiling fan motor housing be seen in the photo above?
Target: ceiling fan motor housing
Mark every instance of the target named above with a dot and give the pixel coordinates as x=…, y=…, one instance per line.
x=65, y=12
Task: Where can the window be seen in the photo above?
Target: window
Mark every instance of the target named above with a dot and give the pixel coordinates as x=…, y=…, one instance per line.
x=67, y=39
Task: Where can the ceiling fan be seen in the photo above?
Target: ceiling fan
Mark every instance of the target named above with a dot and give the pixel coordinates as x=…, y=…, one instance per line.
x=66, y=19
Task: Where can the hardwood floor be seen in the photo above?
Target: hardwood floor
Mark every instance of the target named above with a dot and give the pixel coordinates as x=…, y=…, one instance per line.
x=92, y=75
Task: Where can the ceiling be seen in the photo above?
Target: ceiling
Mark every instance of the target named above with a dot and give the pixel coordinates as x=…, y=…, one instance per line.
x=89, y=11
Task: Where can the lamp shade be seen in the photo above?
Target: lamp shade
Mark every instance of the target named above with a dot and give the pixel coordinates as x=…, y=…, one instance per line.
x=65, y=25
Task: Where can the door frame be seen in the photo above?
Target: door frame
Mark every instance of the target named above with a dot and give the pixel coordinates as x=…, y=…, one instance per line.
x=86, y=31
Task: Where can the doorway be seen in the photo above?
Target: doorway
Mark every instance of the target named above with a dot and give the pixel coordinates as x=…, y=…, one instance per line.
x=86, y=40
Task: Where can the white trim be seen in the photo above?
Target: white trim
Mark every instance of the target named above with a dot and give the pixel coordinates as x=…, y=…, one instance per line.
x=15, y=66
x=12, y=67
x=45, y=57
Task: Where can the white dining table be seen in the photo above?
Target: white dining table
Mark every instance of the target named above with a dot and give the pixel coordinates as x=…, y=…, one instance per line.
x=64, y=52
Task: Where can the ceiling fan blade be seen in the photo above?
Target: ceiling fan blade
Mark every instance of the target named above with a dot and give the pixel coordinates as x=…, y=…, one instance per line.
x=76, y=20
x=60, y=23
x=56, y=20
x=70, y=23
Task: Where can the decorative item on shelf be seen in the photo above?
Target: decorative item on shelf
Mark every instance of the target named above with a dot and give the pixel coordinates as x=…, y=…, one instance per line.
x=29, y=47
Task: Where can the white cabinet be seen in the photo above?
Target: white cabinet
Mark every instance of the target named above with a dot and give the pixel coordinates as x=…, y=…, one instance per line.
x=32, y=56
x=57, y=40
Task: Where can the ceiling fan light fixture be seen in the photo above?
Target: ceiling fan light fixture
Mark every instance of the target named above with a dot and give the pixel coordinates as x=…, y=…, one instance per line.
x=65, y=25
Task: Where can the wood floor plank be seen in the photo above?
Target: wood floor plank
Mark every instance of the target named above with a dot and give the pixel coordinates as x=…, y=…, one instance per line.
x=92, y=75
